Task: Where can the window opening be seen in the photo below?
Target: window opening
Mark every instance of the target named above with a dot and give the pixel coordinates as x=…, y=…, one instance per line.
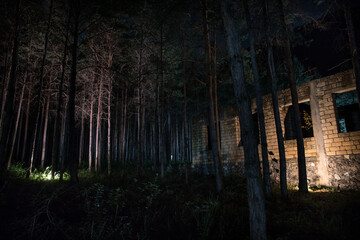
x=347, y=111
x=306, y=122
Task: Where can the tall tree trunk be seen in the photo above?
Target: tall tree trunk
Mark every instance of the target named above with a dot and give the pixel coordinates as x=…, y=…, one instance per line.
x=57, y=134
x=17, y=122
x=81, y=134
x=26, y=124
x=353, y=46
x=91, y=130
x=98, y=127
x=45, y=128
x=253, y=176
x=160, y=106
x=259, y=105
x=109, y=130
x=123, y=128
x=275, y=102
x=37, y=128
x=303, y=186
x=211, y=104
x=9, y=111
x=71, y=103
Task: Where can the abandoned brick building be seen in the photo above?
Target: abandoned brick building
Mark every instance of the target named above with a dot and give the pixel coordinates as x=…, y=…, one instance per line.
x=331, y=128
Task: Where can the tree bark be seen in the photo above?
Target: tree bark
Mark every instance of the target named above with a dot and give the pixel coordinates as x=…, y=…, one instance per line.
x=9, y=111
x=275, y=103
x=353, y=46
x=303, y=186
x=259, y=104
x=98, y=127
x=17, y=122
x=91, y=130
x=71, y=103
x=253, y=177
x=211, y=104
x=45, y=128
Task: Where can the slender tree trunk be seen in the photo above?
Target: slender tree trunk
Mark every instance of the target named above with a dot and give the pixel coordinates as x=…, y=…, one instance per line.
x=160, y=106
x=353, y=46
x=71, y=103
x=259, y=104
x=37, y=128
x=9, y=111
x=17, y=122
x=91, y=130
x=303, y=186
x=57, y=134
x=45, y=129
x=123, y=130
x=217, y=120
x=109, y=130
x=81, y=134
x=98, y=127
x=26, y=124
x=275, y=102
x=253, y=176
x=211, y=105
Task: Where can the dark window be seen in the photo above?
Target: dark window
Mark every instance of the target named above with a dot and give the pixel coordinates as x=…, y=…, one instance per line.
x=306, y=122
x=256, y=128
x=347, y=111
x=209, y=139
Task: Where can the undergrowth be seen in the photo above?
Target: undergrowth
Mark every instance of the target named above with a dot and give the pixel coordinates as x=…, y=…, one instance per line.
x=126, y=206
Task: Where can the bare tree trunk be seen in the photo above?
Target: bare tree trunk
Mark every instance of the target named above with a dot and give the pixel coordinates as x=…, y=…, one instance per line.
x=26, y=124
x=256, y=200
x=264, y=149
x=211, y=105
x=275, y=102
x=109, y=130
x=91, y=130
x=45, y=129
x=70, y=114
x=81, y=134
x=303, y=186
x=57, y=135
x=9, y=111
x=37, y=128
x=353, y=46
x=160, y=106
x=123, y=130
x=98, y=127
x=17, y=122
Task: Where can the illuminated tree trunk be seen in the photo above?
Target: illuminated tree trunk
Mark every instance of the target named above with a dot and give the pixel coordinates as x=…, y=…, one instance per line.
x=81, y=133
x=259, y=104
x=303, y=186
x=211, y=104
x=256, y=200
x=17, y=122
x=9, y=111
x=37, y=128
x=57, y=134
x=91, y=130
x=45, y=129
x=98, y=127
x=353, y=46
x=26, y=123
x=123, y=127
x=275, y=102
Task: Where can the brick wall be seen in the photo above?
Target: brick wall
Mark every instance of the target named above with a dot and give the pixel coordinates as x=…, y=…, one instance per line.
x=342, y=149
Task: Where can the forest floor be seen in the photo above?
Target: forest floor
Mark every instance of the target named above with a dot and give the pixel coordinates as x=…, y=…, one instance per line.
x=124, y=206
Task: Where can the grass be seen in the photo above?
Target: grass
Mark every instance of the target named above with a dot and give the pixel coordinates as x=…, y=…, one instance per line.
x=124, y=206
